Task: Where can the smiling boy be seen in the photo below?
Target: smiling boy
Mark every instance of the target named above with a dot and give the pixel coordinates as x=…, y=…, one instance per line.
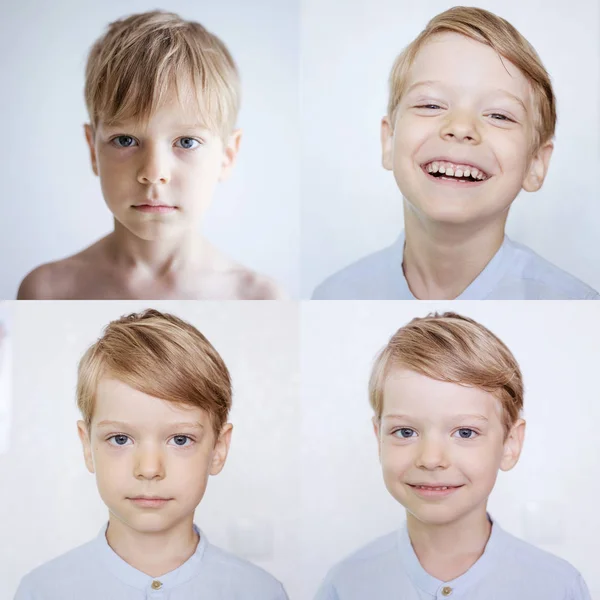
x=447, y=396
x=163, y=96
x=470, y=122
x=155, y=396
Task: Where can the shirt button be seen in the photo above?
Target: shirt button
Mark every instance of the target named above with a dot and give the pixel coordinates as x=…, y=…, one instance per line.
x=156, y=585
x=446, y=591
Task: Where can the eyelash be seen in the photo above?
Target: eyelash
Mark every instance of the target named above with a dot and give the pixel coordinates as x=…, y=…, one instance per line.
x=124, y=435
x=393, y=432
x=112, y=141
x=505, y=118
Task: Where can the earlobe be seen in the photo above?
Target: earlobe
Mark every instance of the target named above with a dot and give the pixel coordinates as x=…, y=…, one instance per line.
x=221, y=450
x=387, y=144
x=85, y=443
x=538, y=168
x=230, y=152
x=513, y=445
x=90, y=138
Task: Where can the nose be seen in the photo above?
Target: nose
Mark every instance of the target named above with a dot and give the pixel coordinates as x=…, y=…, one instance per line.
x=431, y=454
x=154, y=168
x=460, y=126
x=149, y=463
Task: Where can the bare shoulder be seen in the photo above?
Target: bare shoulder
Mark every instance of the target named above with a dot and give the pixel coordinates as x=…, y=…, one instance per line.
x=42, y=283
x=254, y=286
x=57, y=280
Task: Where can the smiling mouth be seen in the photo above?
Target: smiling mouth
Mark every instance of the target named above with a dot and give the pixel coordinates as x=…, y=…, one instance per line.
x=442, y=179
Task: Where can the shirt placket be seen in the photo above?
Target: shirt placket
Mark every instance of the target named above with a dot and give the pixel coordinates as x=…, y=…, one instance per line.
x=156, y=590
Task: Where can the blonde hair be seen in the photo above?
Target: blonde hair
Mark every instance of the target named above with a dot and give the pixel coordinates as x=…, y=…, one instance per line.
x=131, y=69
x=453, y=348
x=162, y=356
x=492, y=30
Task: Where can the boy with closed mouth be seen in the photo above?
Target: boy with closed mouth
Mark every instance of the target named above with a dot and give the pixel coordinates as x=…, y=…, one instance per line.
x=163, y=95
x=470, y=123
x=155, y=397
x=447, y=396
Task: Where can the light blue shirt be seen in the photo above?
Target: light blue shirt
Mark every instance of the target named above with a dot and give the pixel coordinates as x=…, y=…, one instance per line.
x=514, y=273
x=95, y=572
x=508, y=569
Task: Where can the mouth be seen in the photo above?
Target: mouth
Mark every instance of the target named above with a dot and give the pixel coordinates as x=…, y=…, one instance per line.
x=441, y=491
x=154, y=208
x=460, y=182
x=149, y=502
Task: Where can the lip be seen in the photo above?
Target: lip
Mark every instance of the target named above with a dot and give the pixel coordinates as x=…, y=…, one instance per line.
x=456, y=183
x=154, y=208
x=434, y=493
x=150, y=502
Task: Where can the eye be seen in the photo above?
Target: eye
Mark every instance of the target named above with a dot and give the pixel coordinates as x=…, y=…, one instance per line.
x=180, y=440
x=504, y=117
x=434, y=106
x=467, y=432
x=127, y=139
x=403, y=432
x=187, y=143
x=119, y=439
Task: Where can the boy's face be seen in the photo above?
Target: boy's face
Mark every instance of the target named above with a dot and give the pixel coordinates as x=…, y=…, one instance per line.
x=159, y=180
x=142, y=446
x=476, y=109
x=438, y=433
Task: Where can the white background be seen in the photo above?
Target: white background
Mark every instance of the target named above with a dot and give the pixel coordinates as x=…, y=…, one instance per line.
x=344, y=501
x=351, y=206
x=51, y=202
x=49, y=501
x=5, y=377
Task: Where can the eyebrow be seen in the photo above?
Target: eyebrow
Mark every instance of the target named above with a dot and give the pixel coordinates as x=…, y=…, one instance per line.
x=495, y=90
x=462, y=417
x=118, y=124
x=122, y=424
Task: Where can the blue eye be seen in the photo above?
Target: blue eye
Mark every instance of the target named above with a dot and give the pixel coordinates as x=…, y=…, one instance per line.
x=466, y=437
x=123, y=137
x=182, y=439
x=402, y=431
x=187, y=141
x=428, y=105
x=120, y=439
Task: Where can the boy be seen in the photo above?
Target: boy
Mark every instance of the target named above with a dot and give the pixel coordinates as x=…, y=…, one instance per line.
x=163, y=96
x=470, y=122
x=155, y=396
x=447, y=396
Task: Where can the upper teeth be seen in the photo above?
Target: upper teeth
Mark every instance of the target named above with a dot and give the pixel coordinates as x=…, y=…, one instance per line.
x=453, y=170
x=427, y=487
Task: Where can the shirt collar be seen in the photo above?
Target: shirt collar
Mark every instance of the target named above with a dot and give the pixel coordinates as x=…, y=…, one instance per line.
x=134, y=578
x=431, y=585
x=481, y=287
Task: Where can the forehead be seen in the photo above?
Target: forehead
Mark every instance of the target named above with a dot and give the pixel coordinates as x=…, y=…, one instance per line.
x=117, y=401
x=186, y=110
x=460, y=64
x=409, y=393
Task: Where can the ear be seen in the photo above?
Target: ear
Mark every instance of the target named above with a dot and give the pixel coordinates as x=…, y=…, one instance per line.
x=387, y=144
x=90, y=138
x=87, y=447
x=221, y=449
x=376, y=430
x=538, y=168
x=513, y=446
x=230, y=152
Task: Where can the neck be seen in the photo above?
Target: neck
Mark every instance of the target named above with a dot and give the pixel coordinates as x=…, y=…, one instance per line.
x=441, y=260
x=156, y=257
x=153, y=553
x=447, y=551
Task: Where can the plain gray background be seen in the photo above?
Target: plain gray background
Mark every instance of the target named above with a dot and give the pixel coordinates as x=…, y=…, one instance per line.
x=51, y=201
x=351, y=206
